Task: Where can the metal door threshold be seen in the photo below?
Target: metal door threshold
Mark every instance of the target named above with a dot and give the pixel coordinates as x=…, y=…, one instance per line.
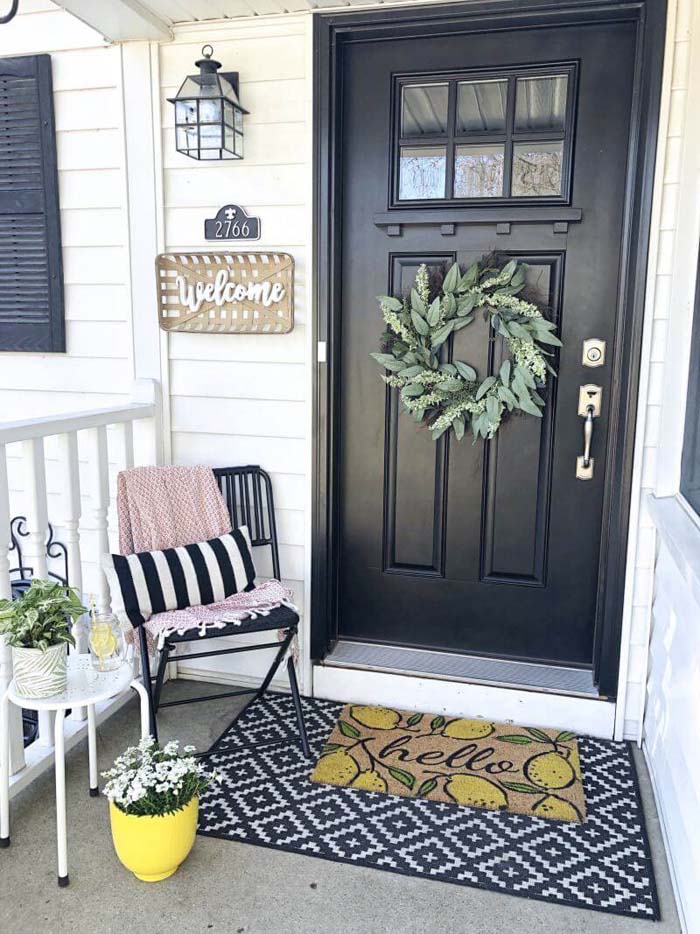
x=553, y=679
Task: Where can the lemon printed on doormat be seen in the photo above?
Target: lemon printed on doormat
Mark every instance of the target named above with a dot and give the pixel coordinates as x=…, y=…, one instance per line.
x=469, y=762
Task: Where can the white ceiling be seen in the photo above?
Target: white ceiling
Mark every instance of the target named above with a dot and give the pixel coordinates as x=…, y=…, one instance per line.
x=124, y=20
x=187, y=11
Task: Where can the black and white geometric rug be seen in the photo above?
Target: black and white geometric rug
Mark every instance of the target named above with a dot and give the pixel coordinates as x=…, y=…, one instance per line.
x=265, y=798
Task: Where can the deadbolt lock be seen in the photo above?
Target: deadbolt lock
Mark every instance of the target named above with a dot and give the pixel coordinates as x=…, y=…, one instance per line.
x=593, y=352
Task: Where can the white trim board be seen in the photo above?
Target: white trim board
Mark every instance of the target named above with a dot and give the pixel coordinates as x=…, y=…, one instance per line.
x=589, y=716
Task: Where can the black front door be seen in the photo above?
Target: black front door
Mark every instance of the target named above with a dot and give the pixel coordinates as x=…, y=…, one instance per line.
x=454, y=147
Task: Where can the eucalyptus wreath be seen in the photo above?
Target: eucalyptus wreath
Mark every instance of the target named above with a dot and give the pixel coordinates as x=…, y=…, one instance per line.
x=449, y=394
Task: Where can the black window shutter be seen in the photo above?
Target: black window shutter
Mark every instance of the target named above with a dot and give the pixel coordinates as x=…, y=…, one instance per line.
x=31, y=268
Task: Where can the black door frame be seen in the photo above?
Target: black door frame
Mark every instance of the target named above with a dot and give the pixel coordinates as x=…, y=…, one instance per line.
x=331, y=33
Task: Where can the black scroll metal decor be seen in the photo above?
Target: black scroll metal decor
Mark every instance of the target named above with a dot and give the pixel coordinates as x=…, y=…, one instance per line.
x=20, y=580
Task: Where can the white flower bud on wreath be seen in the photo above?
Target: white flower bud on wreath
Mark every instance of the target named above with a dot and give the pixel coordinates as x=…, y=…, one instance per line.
x=448, y=395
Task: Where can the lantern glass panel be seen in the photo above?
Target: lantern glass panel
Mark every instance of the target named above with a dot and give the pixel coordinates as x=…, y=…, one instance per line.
x=239, y=145
x=210, y=111
x=239, y=121
x=210, y=136
x=228, y=113
x=228, y=90
x=185, y=112
x=190, y=87
x=228, y=139
x=186, y=138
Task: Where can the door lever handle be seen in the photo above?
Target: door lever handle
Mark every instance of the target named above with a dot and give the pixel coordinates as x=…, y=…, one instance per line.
x=584, y=463
x=587, y=436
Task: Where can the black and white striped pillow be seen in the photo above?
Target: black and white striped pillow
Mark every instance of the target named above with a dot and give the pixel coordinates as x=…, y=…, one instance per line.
x=192, y=575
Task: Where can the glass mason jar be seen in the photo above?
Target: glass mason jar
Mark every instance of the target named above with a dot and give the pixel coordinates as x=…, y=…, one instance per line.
x=106, y=642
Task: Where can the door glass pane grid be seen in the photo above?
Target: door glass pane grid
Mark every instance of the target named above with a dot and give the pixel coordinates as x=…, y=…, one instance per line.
x=424, y=110
x=497, y=137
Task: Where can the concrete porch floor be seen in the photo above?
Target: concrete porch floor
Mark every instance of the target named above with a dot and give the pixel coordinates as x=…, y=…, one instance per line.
x=242, y=889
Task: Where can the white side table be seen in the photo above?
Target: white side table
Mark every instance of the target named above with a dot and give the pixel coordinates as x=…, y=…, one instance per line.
x=86, y=688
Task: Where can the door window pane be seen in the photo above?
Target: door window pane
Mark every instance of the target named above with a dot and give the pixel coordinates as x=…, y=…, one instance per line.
x=537, y=169
x=540, y=103
x=481, y=106
x=424, y=110
x=478, y=172
x=422, y=172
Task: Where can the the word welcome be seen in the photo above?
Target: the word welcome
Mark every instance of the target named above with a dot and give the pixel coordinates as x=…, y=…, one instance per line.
x=222, y=291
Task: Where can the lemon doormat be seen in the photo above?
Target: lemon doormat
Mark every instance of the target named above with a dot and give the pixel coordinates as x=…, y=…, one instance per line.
x=476, y=763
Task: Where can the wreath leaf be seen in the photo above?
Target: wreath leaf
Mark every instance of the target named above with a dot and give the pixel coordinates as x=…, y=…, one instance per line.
x=433, y=315
x=441, y=335
x=393, y=304
x=466, y=371
x=485, y=386
x=419, y=323
x=452, y=279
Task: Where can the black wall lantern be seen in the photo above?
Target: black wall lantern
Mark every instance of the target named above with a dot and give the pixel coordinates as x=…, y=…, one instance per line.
x=208, y=115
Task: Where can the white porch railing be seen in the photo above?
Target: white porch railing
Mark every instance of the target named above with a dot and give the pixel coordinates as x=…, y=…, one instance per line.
x=79, y=433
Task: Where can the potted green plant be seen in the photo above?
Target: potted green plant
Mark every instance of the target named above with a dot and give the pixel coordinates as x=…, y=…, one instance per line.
x=38, y=627
x=153, y=796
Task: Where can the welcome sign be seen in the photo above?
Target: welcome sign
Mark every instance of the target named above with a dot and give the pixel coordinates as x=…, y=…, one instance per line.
x=226, y=293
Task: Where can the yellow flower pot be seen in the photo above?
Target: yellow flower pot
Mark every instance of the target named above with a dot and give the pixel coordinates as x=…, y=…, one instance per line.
x=153, y=847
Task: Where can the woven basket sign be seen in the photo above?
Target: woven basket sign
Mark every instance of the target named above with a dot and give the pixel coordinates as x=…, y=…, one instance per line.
x=226, y=293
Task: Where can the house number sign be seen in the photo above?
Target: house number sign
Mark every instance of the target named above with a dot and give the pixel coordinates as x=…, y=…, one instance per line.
x=232, y=223
x=226, y=293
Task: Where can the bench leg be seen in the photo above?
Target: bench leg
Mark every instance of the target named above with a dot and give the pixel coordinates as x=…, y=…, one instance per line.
x=297, y=707
x=61, y=830
x=146, y=678
x=162, y=664
x=284, y=645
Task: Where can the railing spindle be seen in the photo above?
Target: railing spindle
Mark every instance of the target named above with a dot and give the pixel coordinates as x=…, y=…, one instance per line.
x=35, y=548
x=99, y=470
x=127, y=452
x=16, y=736
x=72, y=508
x=37, y=515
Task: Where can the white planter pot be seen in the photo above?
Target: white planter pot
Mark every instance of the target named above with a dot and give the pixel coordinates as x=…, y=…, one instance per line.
x=40, y=674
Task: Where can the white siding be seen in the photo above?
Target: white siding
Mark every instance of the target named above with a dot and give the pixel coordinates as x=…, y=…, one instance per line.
x=96, y=370
x=672, y=721
x=242, y=399
x=88, y=112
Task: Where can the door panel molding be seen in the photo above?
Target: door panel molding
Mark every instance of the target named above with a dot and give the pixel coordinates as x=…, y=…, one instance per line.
x=525, y=562
x=418, y=549
x=332, y=33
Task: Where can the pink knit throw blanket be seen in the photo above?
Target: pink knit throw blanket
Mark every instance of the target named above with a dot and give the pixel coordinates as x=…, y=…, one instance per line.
x=268, y=596
x=165, y=507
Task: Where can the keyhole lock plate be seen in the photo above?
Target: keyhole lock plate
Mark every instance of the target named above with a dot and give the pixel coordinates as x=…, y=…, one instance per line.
x=589, y=394
x=593, y=352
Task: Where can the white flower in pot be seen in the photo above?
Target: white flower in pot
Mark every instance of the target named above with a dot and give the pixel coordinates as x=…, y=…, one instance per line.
x=153, y=796
x=38, y=627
